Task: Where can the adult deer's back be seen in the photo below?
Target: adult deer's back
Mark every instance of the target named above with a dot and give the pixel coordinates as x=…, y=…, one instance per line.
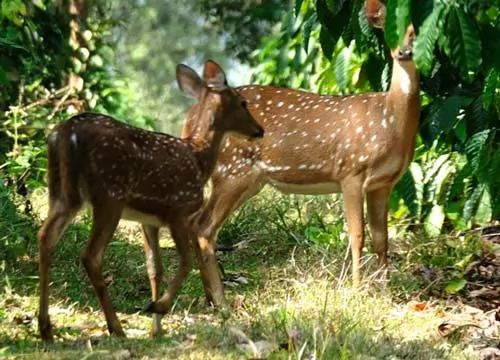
x=358, y=145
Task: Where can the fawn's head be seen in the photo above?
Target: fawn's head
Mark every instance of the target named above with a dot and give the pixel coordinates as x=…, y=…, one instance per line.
x=220, y=107
x=375, y=12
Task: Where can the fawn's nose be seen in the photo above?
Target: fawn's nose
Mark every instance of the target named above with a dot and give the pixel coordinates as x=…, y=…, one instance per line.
x=258, y=133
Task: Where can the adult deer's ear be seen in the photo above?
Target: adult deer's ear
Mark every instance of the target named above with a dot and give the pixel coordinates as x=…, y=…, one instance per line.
x=189, y=81
x=214, y=75
x=375, y=12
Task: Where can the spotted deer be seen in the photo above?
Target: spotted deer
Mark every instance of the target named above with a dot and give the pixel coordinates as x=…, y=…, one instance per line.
x=130, y=173
x=358, y=145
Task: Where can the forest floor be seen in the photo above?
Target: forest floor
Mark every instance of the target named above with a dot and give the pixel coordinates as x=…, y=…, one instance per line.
x=288, y=283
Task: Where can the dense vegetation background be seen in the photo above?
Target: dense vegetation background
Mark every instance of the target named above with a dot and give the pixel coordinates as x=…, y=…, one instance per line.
x=59, y=57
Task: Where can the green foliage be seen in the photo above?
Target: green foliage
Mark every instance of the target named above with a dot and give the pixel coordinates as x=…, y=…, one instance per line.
x=427, y=38
x=396, y=21
x=17, y=230
x=453, y=180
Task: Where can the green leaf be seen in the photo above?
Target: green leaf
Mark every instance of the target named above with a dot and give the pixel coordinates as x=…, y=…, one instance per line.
x=446, y=117
x=391, y=24
x=491, y=86
x=484, y=210
x=14, y=11
x=434, y=221
x=297, y=7
x=327, y=43
x=411, y=188
x=341, y=68
x=426, y=39
x=335, y=5
x=306, y=32
x=474, y=148
x=397, y=20
x=465, y=44
x=334, y=24
x=472, y=202
x=455, y=285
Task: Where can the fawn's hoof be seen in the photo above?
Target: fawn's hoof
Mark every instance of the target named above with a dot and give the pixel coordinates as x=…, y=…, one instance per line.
x=154, y=308
x=46, y=333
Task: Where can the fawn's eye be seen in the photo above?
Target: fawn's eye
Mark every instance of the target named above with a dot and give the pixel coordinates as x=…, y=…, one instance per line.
x=244, y=103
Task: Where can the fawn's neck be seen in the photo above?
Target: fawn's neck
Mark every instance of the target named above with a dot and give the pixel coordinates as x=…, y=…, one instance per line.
x=206, y=151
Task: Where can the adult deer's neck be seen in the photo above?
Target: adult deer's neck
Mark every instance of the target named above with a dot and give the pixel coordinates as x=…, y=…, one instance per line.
x=403, y=97
x=206, y=151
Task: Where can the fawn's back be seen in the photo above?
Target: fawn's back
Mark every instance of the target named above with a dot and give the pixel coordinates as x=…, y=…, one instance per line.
x=147, y=172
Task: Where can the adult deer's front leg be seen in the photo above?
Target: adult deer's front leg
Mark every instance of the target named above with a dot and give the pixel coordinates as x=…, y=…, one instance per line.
x=105, y=221
x=353, y=210
x=227, y=195
x=377, y=206
x=155, y=269
x=181, y=233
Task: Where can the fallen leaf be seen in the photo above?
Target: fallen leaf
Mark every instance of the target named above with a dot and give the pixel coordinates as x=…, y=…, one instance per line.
x=417, y=306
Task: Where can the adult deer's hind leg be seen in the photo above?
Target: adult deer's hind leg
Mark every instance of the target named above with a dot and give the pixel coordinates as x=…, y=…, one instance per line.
x=106, y=216
x=49, y=234
x=155, y=270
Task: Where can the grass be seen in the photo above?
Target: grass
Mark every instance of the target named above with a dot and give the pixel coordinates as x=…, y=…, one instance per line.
x=296, y=302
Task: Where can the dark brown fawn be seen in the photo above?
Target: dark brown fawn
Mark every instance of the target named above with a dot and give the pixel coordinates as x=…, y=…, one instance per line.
x=316, y=144
x=149, y=177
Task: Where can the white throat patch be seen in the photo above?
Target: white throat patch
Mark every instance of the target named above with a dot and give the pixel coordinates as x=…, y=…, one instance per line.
x=405, y=82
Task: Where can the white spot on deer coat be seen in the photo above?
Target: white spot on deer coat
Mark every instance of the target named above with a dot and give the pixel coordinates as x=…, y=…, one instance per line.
x=72, y=138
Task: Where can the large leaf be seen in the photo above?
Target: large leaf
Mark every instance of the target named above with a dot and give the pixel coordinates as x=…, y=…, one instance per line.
x=464, y=41
x=426, y=39
x=484, y=209
x=327, y=43
x=411, y=188
x=341, y=68
x=474, y=148
x=334, y=24
x=391, y=26
x=335, y=5
x=298, y=6
x=491, y=87
x=397, y=20
x=446, y=117
x=472, y=203
x=420, y=10
x=476, y=117
x=307, y=28
x=434, y=221
x=455, y=285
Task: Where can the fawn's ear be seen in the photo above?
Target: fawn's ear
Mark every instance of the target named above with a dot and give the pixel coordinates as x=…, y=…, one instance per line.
x=214, y=75
x=189, y=81
x=375, y=12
